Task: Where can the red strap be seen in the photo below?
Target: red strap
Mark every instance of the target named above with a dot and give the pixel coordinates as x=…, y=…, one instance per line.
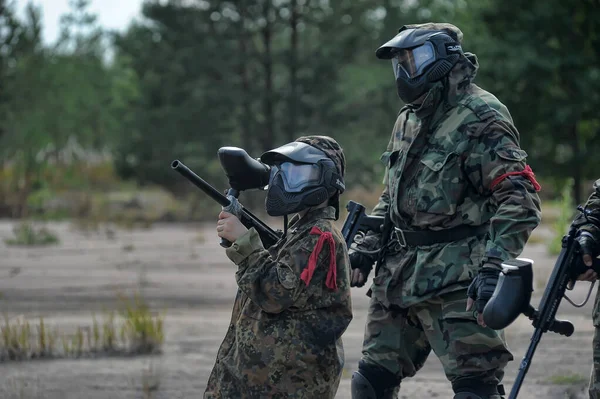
x=528, y=173
x=308, y=272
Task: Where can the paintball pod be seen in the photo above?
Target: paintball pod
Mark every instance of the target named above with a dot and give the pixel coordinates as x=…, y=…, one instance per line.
x=243, y=173
x=513, y=294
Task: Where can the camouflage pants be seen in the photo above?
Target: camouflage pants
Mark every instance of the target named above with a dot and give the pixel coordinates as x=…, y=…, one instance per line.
x=400, y=340
x=594, y=387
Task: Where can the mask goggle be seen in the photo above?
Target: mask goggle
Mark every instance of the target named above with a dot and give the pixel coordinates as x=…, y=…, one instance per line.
x=412, y=62
x=295, y=176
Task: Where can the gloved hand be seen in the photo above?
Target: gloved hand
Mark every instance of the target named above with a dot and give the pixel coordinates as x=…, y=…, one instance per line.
x=481, y=289
x=361, y=266
x=590, y=248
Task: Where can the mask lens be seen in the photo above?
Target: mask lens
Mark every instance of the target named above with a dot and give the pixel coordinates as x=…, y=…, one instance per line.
x=411, y=62
x=298, y=176
x=273, y=172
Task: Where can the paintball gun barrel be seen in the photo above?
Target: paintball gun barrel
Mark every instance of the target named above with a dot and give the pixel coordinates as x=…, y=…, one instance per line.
x=513, y=293
x=230, y=204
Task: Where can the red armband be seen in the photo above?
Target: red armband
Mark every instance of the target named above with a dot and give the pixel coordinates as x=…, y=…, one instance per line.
x=527, y=172
x=308, y=272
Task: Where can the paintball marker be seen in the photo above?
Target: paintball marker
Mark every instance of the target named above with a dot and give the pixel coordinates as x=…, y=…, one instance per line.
x=513, y=294
x=358, y=222
x=244, y=173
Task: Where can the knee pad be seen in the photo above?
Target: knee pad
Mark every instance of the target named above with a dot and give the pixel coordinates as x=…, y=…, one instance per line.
x=373, y=382
x=361, y=387
x=471, y=395
x=467, y=395
x=470, y=389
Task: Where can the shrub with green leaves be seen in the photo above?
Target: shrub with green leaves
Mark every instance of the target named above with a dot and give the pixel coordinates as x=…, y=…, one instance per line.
x=26, y=233
x=564, y=219
x=141, y=332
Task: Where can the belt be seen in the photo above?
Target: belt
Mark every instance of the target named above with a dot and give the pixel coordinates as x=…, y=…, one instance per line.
x=414, y=238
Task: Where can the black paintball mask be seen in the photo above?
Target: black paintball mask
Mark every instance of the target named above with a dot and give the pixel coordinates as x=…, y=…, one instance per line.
x=420, y=57
x=302, y=176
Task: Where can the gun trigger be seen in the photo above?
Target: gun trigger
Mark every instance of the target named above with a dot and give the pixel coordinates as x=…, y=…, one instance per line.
x=359, y=238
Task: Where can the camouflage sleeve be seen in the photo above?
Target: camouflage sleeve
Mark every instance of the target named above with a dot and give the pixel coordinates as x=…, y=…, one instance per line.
x=497, y=168
x=371, y=240
x=592, y=205
x=383, y=204
x=274, y=285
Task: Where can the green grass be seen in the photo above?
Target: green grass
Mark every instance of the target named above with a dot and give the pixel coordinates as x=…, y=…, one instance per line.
x=128, y=247
x=568, y=379
x=133, y=329
x=560, y=226
x=142, y=330
x=150, y=381
x=27, y=234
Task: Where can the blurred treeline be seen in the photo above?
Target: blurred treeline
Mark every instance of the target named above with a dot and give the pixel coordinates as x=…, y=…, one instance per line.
x=101, y=111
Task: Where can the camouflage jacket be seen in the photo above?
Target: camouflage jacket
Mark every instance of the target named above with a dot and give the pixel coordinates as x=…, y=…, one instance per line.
x=593, y=205
x=447, y=164
x=284, y=339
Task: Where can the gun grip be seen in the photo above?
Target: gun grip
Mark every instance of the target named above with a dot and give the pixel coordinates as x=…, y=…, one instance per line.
x=562, y=327
x=225, y=243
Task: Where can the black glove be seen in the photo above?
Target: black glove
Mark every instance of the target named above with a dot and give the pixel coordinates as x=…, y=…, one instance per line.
x=363, y=263
x=587, y=243
x=482, y=287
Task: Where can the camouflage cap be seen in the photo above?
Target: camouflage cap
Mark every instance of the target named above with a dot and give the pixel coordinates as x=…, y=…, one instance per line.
x=452, y=30
x=330, y=147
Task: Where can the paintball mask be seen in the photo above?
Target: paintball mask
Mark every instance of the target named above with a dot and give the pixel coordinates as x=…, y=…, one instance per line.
x=420, y=57
x=302, y=176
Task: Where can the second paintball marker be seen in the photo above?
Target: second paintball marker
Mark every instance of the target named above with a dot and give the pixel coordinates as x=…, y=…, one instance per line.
x=358, y=222
x=513, y=294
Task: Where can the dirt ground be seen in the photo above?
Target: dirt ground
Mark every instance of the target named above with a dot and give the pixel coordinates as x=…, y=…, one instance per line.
x=184, y=271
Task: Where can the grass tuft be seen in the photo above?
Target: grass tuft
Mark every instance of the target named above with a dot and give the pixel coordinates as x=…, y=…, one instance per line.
x=568, y=379
x=140, y=331
x=564, y=219
x=28, y=235
x=150, y=381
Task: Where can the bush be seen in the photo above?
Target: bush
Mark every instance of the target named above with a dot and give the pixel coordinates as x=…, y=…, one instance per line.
x=141, y=332
x=565, y=217
x=27, y=234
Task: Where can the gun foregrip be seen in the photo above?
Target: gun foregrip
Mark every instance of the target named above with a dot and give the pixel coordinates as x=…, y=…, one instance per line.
x=562, y=327
x=581, y=268
x=225, y=243
x=596, y=265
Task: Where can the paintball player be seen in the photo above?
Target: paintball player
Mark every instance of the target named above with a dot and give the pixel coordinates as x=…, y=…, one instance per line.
x=588, y=237
x=293, y=303
x=462, y=200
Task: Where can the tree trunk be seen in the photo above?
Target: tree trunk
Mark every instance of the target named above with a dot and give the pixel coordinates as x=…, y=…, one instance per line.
x=576, y=164
x=293, y=101
x=246, y=115
x=269, y=134
x=246, y=118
